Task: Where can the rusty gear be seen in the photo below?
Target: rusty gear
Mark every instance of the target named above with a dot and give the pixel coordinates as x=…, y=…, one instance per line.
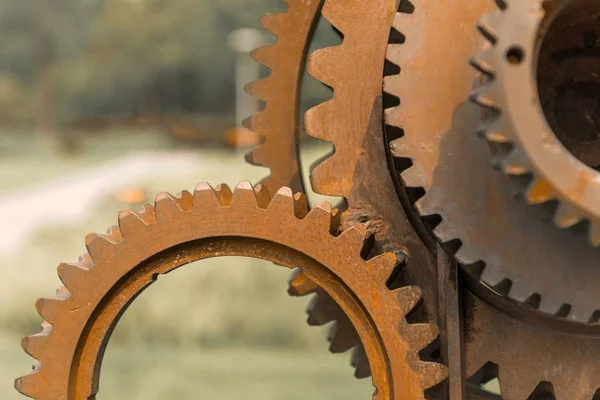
x=277, y=123
x=511, y=248
x=526, y=142
x=323, y=310
x=209, y=223
x=352, y=122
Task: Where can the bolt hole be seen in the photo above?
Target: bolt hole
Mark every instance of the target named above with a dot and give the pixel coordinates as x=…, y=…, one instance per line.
x=515, y=55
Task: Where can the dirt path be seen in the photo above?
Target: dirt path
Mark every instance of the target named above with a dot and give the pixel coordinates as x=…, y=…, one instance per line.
x=68, y=198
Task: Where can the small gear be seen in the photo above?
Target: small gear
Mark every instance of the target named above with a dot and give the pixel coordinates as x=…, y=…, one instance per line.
x=216, y=222
x=510, y=248
x=542, y=89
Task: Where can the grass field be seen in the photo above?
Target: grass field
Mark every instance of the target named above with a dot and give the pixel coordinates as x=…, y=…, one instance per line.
x=221, y=327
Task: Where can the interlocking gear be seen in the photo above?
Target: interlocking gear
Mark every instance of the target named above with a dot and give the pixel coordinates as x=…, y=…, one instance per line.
x=526, y=310
x=217, y=222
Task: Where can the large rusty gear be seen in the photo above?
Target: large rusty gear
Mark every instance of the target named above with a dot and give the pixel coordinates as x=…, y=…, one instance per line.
x=121, y=264
x=512, y=248
x=277, y=123
x=534, y=71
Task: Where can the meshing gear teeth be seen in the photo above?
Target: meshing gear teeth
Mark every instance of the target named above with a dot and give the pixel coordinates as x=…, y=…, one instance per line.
x=277, y=123
x=218, y=222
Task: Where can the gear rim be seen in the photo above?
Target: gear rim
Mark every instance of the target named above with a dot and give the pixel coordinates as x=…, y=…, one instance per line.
x=517, y=119
x=437, y=123
x=246, y=214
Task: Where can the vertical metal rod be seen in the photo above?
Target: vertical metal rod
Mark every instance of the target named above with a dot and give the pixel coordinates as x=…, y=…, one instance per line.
x=451, y=323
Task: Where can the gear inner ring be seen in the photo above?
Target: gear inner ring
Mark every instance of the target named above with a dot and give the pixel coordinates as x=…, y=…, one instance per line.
x=568, y=76
x=85, y=371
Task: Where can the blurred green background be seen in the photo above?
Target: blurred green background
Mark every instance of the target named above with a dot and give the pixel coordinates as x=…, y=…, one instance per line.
x=104, y=103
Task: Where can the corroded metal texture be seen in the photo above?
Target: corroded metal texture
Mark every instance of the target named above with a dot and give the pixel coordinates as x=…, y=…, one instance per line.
x=511, y=247
x=277, y=123
x=216, y=222
x=352, y=121
x=525, y=355
x=536, y=130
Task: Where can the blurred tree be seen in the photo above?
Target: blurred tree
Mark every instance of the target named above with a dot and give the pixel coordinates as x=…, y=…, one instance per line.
x=80, y=58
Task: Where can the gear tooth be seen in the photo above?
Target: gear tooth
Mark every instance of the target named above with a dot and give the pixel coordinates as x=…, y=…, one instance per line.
x=282, y=203
x=261, y=88
x=466, y=255
x=300, y=205
x=564, y=390
x=244, y=195
x=49, y=309
x=264, y=55
x=493, y=130
x=566, y=216
x=539, y=191
x=320, y=177
x=335, y=12
x=255, y=123
x=360, y=362
x=382, y=266
x=397, y=147
x=589, y=316
x=484, y=60
x=339, y=337
x=272, y=22
x=515, y=163
x=185, y=201
x=286, y=203
x=444, y=232
x=409, y=297
x=205, y=195
x=70, y=274
x=34, y=345
x=317, y=316
x=354, y=236
x=148, y=213
x=492, y=276
x=413, y=177
x=485, y=96
x=431, y=373
x=166, y=205
x=488, y=25
x=85, y=261
x=549, y=306
x=421, y=335
x=519, y=292
x=114, y=234
x=131, y=223
x=263, y=196
x=98, y=246
x=324, y=218
x=29, y=385
x=393, y=116
x=594, y=233
x=300, y=284
x=393, y=85
x=313, y=118
x=320, y=62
